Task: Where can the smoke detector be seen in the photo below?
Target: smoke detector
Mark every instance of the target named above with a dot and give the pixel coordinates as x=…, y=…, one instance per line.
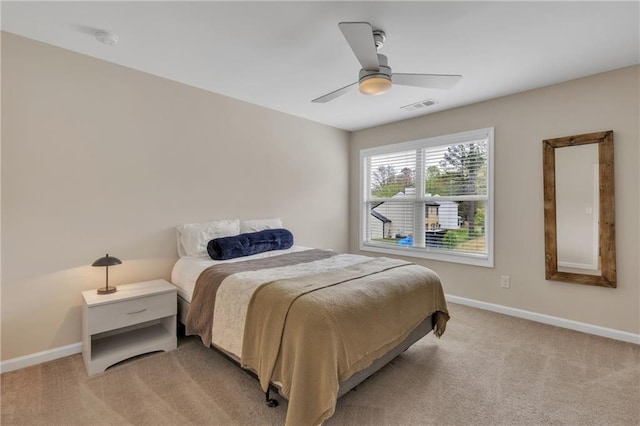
x=107, y=38
x=419, y=105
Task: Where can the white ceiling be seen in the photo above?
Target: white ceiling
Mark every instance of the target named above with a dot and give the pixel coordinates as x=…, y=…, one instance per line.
x=283, y=54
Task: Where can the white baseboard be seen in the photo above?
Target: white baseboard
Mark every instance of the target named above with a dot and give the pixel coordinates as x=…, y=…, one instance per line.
x=40, y=357
x=548, y=319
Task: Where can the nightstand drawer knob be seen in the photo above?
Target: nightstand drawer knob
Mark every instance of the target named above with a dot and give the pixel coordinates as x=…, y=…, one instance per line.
x=137, y=312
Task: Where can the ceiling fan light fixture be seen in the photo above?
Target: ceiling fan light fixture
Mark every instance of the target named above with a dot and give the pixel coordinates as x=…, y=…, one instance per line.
x=375, y=85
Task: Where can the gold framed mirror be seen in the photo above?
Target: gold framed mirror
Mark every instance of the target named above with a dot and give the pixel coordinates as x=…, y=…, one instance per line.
x=579, y=209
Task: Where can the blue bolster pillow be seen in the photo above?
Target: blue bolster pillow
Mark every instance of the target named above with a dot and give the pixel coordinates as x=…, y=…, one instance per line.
x=250, y=243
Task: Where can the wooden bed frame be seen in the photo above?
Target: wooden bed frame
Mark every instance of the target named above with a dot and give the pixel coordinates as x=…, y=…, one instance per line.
x=418, y=333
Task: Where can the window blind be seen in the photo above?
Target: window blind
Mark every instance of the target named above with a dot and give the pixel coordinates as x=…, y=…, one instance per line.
x=430, y=198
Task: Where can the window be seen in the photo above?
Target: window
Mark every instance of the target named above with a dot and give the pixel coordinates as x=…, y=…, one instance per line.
x=430, y=198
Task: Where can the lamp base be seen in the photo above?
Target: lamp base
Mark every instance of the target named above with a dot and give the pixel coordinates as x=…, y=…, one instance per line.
x=107, y=290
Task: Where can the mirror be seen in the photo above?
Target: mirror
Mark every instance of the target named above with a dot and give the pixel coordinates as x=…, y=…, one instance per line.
x=579, y=209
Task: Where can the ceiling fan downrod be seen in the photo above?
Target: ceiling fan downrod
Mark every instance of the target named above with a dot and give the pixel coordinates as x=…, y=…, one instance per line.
x=379, y=37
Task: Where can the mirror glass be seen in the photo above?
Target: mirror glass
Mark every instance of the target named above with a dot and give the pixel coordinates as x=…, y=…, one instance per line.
x=579, y=209
x=577, y=186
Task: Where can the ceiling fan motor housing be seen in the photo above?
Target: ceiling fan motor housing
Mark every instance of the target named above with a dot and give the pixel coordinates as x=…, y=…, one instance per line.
x=383, y=71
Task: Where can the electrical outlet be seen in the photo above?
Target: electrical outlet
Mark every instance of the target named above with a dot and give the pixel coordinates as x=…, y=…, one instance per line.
x=504, y=281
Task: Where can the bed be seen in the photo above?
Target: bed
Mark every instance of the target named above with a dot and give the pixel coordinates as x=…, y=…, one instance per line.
x=311, y=323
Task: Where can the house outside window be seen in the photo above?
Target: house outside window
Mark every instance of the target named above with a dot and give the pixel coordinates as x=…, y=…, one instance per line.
x=430, y=198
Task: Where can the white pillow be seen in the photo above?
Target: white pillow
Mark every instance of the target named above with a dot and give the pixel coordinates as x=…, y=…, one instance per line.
x=194, y=237
x=256, y=225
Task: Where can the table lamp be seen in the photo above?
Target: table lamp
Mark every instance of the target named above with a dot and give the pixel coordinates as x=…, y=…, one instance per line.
x=107, y=261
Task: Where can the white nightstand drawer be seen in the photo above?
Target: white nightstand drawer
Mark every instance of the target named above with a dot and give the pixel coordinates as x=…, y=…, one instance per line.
x=128, y=312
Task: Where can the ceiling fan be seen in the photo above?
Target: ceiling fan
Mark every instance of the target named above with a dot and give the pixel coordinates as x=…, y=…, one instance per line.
x=375, y=76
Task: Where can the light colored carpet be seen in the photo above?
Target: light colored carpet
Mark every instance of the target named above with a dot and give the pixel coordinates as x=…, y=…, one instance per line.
x=488, y=369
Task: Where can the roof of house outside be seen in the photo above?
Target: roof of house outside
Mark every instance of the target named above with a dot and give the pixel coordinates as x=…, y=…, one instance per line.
x=379, y=216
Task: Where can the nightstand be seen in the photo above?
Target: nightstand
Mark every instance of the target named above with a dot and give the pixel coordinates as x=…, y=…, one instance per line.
x=137, y=319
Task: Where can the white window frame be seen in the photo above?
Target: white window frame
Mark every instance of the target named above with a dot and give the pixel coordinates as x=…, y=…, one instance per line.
x=485, y=260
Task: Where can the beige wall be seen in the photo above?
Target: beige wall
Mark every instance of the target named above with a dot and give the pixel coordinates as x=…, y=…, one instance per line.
x=100, y=158
x=601, y=102
x=97, y=157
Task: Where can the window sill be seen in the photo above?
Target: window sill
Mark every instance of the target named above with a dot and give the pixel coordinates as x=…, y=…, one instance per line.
x=431, y=254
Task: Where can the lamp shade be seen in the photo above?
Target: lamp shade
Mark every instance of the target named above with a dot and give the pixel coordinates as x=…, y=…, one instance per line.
x=375, y=85
x=107, y=261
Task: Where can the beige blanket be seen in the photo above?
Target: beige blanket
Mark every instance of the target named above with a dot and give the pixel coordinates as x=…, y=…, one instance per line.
x=308, y=334
x=199, y=319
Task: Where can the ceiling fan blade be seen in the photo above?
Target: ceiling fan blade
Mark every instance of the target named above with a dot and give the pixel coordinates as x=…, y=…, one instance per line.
x=331, y=96
x=359, y=35
x=430, y=81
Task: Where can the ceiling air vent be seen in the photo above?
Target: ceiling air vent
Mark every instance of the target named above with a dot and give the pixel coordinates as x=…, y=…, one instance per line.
x=419, y=105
